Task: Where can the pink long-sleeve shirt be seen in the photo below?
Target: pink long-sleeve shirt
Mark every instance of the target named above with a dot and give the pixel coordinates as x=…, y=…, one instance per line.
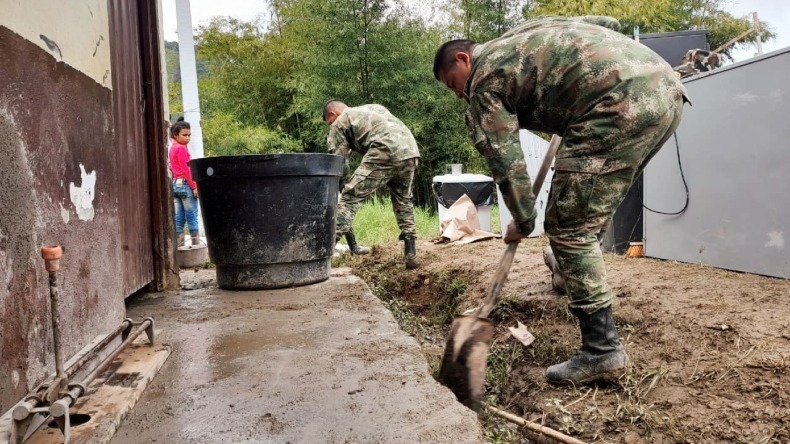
x=179, y=156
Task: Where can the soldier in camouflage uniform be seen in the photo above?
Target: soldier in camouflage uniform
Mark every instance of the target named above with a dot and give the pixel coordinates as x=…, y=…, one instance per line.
x=614, y=102
x=696, y=61
x=389, y=157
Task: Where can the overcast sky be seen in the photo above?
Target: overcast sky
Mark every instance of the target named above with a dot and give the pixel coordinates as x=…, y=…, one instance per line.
x=775, y=12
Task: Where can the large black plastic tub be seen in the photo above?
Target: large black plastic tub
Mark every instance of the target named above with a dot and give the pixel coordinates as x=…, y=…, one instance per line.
x=269, y=219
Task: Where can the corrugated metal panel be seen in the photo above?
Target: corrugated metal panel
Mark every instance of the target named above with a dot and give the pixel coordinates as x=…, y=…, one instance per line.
x=129, y=109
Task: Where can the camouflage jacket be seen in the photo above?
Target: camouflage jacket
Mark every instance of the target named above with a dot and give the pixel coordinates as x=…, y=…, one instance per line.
x=697, y=61
x=567, y=76
x=374, y=132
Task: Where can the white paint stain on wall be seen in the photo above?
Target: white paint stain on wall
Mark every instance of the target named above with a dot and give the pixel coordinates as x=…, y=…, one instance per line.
x=776, y=239
x=82, y=195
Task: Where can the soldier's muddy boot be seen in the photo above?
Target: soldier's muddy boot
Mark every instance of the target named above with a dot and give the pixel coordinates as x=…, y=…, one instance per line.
x=180, y=240
x=195, y=235
x=601, y=356
x=353, y=247
x=410, y=252
x=557, y=281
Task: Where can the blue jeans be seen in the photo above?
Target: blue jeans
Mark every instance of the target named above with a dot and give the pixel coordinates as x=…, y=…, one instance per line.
x=186, y=207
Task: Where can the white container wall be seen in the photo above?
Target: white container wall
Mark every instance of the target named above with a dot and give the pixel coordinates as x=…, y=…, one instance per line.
x=483, y=211
x=534, y=150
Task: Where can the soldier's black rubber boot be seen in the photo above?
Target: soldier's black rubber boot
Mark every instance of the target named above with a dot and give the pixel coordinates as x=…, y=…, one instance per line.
x=557, y=281
x=601, y=357
x=410, y=252
x=353, y=247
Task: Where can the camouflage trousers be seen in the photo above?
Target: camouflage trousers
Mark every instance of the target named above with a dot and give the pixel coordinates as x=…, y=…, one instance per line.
x=585, y=192
x=369, y=177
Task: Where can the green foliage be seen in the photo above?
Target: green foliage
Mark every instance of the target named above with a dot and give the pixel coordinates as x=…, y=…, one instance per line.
x=262, y=89
x=723, y=26
x=358, y=51
x=223, y=135
x=375, y=223
x=652, y=16
x=482, y=20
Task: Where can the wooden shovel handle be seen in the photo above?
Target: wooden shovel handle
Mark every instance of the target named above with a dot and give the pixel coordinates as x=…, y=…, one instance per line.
x=499, y=280
x=510, y=252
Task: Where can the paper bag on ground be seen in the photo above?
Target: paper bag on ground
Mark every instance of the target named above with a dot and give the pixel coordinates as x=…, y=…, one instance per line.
x=460, y=223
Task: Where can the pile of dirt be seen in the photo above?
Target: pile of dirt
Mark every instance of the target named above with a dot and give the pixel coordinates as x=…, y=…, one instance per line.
x=710, y=348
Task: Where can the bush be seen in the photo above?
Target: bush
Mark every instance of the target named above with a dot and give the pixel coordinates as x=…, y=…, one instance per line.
x=222, y=136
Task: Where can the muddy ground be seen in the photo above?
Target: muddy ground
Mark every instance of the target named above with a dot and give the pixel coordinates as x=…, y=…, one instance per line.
x=710, y=348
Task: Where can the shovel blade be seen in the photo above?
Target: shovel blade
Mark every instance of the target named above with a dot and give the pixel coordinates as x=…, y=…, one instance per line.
x=463, y=368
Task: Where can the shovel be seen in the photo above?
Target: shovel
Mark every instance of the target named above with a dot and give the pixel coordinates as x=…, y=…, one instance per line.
x=463, y=367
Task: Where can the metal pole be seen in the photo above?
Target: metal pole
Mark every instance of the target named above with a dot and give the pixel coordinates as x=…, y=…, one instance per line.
x=74, y=368
x=758, y=32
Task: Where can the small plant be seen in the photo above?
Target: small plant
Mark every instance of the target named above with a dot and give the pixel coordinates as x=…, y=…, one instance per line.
x=549, y=349
x=502, y=358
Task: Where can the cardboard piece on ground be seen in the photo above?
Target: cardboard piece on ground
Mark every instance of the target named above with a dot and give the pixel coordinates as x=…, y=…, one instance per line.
x=461, y=224
x=522, y=334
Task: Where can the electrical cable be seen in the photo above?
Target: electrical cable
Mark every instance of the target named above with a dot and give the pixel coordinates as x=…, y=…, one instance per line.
x=685, y=185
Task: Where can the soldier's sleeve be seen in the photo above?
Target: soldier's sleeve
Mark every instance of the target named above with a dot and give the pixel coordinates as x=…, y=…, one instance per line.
x=601, y=20
x=494, y=132
x=337, y=140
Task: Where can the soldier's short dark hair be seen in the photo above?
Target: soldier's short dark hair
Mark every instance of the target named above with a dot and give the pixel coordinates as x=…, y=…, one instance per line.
x=446, y=53
x=328, y=105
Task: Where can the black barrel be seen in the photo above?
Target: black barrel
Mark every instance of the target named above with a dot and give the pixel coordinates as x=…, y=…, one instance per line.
x=269, y=219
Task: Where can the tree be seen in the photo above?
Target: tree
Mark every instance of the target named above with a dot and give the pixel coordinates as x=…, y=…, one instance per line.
x=723, y=26
x=482, y=20
x=265, y=87
x=652, y=16
x=658, y=16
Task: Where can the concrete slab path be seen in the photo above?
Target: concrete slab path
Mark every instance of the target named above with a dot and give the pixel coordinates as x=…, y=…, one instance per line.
x=325, y=363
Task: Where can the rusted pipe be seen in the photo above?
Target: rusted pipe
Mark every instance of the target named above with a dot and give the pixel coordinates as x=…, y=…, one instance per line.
x=52, y=255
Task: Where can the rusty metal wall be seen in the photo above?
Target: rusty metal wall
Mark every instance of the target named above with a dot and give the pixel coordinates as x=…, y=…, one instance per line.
x=130, y=140
x=162, y=215
x=59, y=185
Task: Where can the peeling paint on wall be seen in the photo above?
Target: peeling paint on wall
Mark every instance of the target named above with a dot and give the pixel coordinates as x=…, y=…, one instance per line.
x=71, y=34
x=64, y=214
x=82, y=196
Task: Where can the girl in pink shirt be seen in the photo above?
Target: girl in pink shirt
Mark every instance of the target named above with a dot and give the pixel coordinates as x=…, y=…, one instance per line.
x=184, y=188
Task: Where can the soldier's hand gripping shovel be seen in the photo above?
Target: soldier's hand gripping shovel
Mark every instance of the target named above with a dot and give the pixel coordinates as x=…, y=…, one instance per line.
x=463, y=367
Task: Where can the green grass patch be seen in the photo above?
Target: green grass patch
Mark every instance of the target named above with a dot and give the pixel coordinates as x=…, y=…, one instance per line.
x=375, y=222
